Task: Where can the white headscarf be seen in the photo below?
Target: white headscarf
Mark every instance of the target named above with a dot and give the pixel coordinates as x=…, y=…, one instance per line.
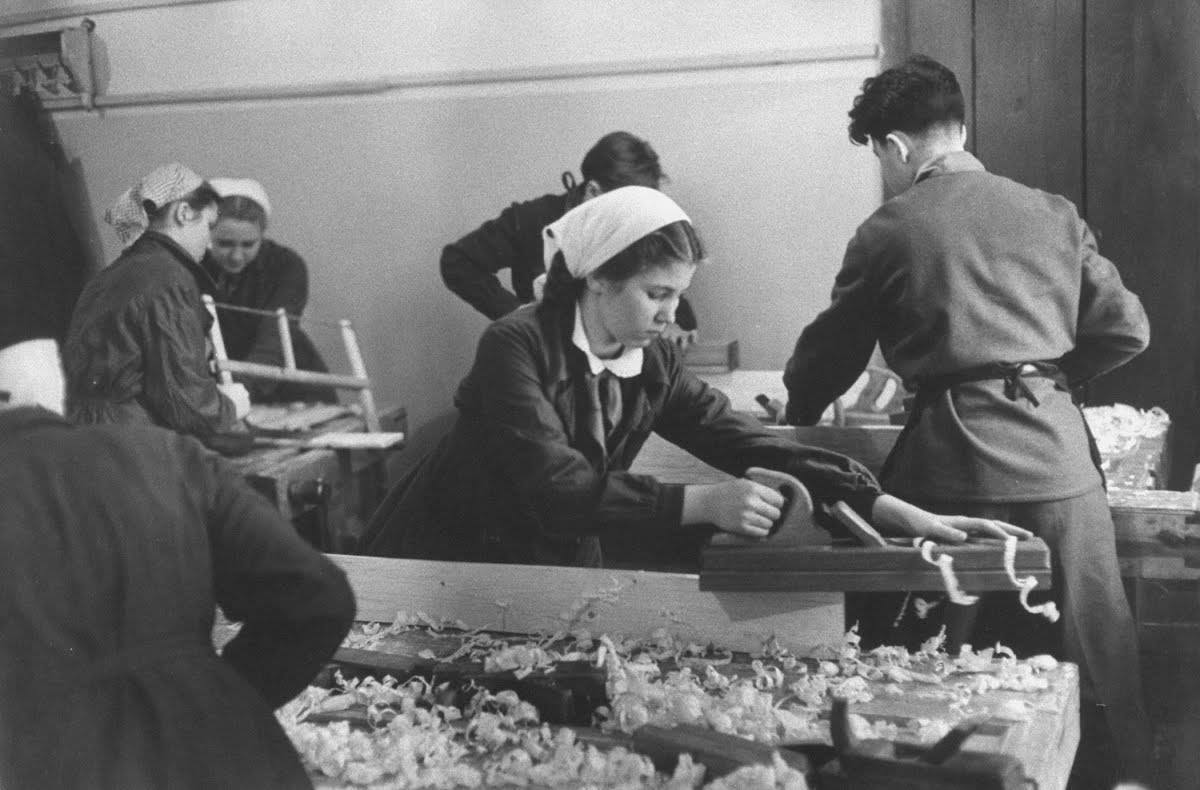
x=162, y=185
x=598, y=229
x=243, y=187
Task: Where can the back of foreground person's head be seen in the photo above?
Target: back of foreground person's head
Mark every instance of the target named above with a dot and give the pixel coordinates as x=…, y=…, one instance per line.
x=614, y=237
x=916, y=97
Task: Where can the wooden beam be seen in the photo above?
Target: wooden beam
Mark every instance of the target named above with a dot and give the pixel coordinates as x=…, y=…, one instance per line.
x=530, y=598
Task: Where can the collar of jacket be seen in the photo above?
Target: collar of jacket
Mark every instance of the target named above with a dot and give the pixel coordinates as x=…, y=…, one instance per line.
x=567, y=366
x=952, y=162
x=19, y=418
x=203, y=281
x=567, y=362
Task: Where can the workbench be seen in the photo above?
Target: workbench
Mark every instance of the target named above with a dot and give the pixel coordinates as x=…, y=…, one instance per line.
x=327, y=493
x=660, y=606
x=1158, y=548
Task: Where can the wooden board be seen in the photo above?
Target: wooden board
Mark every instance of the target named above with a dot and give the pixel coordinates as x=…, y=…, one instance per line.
x=1142, y=178
x=286, y=418
x=532, y=598
x=712, y=356
x=978, y=567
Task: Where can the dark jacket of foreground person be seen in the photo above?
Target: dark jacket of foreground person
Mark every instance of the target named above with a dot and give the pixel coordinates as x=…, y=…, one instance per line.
x=115, y=544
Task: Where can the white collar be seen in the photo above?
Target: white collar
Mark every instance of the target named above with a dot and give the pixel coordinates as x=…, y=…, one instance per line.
x=627, y=365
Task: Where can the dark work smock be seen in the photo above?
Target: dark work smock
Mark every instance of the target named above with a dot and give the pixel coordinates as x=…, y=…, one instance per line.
x=115, y=543
x=277, y=277
x=519, y=478
x=962, y=270
x=136, y=350
x=513, y=241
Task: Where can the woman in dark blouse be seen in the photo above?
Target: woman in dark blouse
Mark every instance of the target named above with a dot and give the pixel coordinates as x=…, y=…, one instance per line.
x=251, y=271
x=562, y=396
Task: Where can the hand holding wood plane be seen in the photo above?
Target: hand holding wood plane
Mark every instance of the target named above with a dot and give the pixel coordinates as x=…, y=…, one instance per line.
x=747, y=507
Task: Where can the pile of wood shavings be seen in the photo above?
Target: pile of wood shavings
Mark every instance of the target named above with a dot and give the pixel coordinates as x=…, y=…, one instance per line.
x=496, y=739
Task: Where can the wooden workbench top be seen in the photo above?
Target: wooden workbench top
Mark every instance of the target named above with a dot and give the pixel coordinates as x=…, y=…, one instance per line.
x=1034, y=719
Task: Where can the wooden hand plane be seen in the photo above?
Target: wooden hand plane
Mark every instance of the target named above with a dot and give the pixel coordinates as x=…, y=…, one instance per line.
x=882, y=765
x=800, y=555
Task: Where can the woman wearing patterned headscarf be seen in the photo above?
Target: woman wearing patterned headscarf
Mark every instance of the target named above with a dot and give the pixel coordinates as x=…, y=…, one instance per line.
x=136, y=351
x=561, y=398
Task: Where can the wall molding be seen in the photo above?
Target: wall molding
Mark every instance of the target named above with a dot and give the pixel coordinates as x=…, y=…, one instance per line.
x=474, y=77
x=67, y=9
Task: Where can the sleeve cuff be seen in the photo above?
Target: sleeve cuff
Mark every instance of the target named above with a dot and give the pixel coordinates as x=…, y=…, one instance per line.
x=862, y=502
x=670, y=505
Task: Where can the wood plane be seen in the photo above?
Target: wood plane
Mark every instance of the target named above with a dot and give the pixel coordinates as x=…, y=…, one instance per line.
x=801, y=555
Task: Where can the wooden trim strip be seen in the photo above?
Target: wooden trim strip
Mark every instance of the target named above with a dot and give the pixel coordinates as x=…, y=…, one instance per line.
x=66, y=10
x=474, y=77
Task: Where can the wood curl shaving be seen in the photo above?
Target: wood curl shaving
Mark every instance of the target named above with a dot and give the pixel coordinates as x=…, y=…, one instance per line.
x=1025, y=584
x=945, y=565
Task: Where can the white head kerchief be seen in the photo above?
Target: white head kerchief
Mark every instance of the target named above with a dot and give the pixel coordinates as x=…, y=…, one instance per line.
x=244, y=187
x=597, y=229
x=31, y=373
x=160, y=186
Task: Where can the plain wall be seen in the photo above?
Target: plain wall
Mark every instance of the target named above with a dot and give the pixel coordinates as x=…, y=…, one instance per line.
x=368, y=188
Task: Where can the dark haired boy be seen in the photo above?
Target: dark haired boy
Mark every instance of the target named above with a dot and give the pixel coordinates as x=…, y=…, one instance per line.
x=992, y=302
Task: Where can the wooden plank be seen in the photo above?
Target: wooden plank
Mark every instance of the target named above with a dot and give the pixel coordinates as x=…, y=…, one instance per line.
x=284, y=418
x=712, y=357
x=1143, y=197
x=1033, y=556
x=1153, y=501
x=858, y=581
x=541, y=598
x=1029, y=93
x=1047, y=742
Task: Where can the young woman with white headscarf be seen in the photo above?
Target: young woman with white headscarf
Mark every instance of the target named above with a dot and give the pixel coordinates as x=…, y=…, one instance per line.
x=249, y=270
x=563, y=394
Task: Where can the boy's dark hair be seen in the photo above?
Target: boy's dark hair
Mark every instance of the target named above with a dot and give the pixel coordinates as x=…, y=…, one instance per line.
x=912, y=97
x=619, y=159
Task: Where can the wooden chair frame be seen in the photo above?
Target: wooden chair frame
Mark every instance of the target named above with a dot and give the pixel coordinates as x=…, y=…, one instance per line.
x=358, y=380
